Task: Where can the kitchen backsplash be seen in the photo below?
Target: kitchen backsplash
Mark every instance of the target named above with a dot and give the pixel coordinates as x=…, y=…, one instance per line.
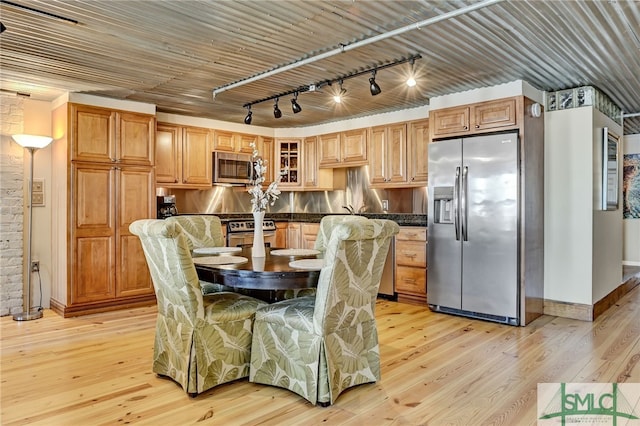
x=358, y=195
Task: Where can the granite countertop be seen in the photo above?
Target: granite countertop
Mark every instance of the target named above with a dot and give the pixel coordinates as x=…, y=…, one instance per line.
x=402, y=219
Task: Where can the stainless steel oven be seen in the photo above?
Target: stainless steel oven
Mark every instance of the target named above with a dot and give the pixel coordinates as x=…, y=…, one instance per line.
x=240, y=232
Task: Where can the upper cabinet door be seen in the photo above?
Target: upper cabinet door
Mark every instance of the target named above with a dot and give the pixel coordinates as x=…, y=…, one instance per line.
x=196, y=156
x=136, y=142
x=93, y=134
x=354, y=147
x=105, y=136
x=168, y=153
x=329, y=150
x=417, y=148
x=450, y=120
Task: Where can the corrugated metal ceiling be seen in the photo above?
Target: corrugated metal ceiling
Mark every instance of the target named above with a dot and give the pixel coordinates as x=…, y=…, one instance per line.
x=174, y=53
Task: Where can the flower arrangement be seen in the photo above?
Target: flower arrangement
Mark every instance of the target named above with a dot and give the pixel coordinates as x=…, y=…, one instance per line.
x=260, y=198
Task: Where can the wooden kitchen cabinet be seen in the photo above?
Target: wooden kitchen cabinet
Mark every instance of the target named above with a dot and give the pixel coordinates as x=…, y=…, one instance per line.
x=388, y=163
x=411, y=265
x=281, y=234
x=266, y=151
x=233, y=142
x=107, y=136
x=302, y=235
x=98, y=264
x=418, y=152
x=499, y=114
x=288, y=156
x=183, y=156
x=315, y=178
x=345, y=149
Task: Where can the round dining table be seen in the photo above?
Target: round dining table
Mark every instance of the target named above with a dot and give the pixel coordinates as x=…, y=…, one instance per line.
x=264, y=277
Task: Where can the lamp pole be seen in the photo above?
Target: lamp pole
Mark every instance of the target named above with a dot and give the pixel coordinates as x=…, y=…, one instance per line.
x=27, y=314
x=32, y=143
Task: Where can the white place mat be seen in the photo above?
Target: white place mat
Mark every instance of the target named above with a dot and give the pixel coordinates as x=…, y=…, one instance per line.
x=219, y=260
x=308, y=264
x=216, y=250
x=295, y=252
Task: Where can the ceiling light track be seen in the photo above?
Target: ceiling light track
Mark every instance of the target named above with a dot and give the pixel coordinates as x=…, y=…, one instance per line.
x=39, y=12
x=345, y=47
x=340, y=79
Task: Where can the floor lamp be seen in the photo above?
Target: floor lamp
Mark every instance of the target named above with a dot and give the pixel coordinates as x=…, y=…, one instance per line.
x=32, y=143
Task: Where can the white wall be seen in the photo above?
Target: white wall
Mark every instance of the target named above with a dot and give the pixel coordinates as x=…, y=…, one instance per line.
x=583, y=244
x=568, y=205
x=631, y=227
x=20, y=115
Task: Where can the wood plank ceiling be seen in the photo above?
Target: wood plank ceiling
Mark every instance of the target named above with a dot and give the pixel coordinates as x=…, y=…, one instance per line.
x=174, y=53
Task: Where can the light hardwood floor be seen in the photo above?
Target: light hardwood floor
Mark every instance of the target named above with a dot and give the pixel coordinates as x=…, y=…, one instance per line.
x=436, y=369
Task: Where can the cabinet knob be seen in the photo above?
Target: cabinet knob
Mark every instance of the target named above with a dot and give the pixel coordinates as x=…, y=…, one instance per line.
x=466, y=127
x=477, y=126
x=413, y=178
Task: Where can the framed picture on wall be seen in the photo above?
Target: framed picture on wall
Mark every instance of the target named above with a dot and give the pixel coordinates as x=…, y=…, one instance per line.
x=610, y=176
x=631, y=186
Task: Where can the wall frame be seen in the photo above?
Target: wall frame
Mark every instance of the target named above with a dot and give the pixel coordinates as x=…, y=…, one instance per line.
x=610, y=169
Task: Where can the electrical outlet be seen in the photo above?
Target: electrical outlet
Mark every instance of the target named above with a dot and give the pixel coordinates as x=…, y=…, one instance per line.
x=38, y=199
x=35, y=266
x=385, y=205
x=38, y=185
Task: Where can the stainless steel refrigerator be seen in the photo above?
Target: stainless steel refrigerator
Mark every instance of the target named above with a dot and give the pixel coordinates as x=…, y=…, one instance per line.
x=475, y=228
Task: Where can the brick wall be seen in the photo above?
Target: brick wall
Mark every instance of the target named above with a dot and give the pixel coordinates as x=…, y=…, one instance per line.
x=12, y=165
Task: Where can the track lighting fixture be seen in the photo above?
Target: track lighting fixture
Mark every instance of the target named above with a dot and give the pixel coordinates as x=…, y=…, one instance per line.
x=276, y=111
x=295, y=106
x=373, y=86
x=338, y=96
x=411, y=81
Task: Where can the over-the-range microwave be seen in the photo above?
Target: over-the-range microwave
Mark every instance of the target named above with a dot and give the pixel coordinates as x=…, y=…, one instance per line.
x=232, y=169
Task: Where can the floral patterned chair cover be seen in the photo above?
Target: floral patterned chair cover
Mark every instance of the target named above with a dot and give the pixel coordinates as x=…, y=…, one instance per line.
x=200, y=230
x=319, y=346
x=327, y=223
x=201, y=341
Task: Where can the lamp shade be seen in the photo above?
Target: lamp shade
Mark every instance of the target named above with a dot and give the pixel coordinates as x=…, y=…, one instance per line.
x=32, y=141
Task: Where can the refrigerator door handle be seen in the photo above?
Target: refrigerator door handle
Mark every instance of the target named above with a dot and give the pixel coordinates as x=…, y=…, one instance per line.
x=463, y=206
x=456, y=204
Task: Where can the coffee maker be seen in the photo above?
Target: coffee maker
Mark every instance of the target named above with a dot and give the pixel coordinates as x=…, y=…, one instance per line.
x=166, y=206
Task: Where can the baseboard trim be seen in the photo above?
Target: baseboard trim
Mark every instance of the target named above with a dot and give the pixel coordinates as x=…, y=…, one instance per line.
x=590, y=312
x=105, y=306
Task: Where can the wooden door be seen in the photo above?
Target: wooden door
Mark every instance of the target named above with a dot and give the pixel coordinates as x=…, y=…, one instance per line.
x=223, y=141
x=266, y=149
x=397, y=153
x=418, y=155
x=378, y=160
x=93, y=134
x=329, y=150
x=310, y=161
x=353, y=147
x=495, y=114
x=168, y=153
x=136, y=139
x=294, y=235
x=196, y=156
x=136, y=194
x=450, y=121
x=92, y=242
x=243, y=143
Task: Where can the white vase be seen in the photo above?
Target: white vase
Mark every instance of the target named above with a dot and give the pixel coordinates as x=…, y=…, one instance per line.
x=258, y=235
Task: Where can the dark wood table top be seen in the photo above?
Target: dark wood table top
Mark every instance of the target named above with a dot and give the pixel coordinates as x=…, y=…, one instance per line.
x=272, y=274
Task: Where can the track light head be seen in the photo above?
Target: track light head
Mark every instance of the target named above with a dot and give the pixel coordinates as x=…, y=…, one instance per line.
x=247, y=119
x=337, y=98
x=295, y=106
x=276, y=111
x=411, y=81
x=373, y=86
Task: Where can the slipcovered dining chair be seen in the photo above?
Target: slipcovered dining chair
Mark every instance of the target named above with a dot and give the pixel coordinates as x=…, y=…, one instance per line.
x=319, y=346
x=327, y=223
x=201, y=341
x=200, y=230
